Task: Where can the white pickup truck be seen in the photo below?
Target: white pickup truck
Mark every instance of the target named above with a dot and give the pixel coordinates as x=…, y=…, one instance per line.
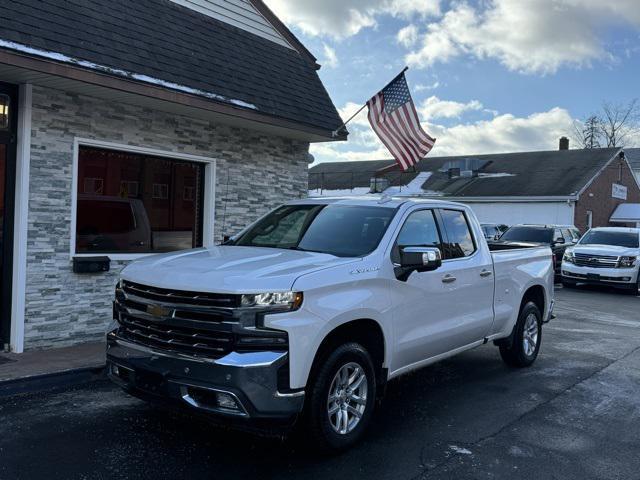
x=307, y=313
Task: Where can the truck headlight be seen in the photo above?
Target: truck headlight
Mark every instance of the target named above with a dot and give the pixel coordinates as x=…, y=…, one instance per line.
x=568, y=257
x=275, y=300
x=626, y=262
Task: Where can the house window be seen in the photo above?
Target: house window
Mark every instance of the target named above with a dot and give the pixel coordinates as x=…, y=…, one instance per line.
x=160, y=191
x=94, y=186
x=129, y=188
x=136, y=203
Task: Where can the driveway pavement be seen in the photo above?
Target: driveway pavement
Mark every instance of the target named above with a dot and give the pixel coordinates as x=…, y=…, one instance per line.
x=574, y=414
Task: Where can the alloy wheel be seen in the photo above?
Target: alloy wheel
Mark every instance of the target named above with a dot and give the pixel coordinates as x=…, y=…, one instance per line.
x=530, y=334
x=347, y=398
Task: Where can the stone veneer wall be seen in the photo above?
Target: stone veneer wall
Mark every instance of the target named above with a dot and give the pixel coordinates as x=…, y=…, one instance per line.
x=254, y=173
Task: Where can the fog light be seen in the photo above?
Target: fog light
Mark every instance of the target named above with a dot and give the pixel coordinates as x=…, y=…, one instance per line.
x=115, y=370
x=227, y=401
x=626, y=279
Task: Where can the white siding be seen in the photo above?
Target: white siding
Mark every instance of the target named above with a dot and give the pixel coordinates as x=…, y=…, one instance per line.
x=534, y=212
x=239, y=13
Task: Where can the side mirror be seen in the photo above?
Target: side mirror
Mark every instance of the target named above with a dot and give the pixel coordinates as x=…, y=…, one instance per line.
x=420, y=259
x=559, y=240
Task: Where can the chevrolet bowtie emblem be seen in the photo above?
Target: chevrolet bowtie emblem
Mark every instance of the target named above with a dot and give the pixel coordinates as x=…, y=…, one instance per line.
x=158, y=311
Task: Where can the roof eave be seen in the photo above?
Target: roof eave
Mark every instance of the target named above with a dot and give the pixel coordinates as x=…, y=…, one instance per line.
x=72, y=72
x=283, y=30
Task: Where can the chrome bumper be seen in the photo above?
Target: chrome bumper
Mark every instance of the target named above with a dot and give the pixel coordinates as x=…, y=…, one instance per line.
x=243, y=385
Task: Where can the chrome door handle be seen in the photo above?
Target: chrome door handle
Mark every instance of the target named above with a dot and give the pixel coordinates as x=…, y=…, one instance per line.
x=448, y=278
x=485, y=273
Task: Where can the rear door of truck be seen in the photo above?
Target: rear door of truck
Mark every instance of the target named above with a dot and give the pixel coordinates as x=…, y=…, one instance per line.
x=467, y=275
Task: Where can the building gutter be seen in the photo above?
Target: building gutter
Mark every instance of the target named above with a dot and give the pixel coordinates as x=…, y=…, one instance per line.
x=155, y=91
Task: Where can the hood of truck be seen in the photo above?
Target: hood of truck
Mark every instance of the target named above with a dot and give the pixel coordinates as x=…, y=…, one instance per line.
x=612, y=250
x=229, y=269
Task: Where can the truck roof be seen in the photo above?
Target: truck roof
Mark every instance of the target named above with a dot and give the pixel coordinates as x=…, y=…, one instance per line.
x=371, y=200
x=617, y=229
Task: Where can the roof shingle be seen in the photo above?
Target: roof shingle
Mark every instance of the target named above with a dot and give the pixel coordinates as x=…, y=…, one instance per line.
x=526, y=174
x=162, y=40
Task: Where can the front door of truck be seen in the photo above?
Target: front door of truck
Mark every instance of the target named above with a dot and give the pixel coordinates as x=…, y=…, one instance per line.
x=438, y=311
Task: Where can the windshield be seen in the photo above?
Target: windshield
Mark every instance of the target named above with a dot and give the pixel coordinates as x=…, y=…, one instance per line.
x=340, y=230
x=528, y=234
x=601, y=237
x=490, y=230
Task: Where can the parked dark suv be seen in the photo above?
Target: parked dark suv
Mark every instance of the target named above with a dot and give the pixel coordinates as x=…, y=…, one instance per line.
x=558, y=237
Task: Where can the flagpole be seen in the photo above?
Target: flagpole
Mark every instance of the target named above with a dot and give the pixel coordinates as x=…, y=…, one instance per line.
x=335, y=132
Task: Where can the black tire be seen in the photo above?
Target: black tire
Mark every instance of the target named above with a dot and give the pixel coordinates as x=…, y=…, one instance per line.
x=323, y=434
x=514, y=353
x=568, y=284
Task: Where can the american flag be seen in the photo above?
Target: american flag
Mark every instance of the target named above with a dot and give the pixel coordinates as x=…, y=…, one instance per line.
x=393, y=117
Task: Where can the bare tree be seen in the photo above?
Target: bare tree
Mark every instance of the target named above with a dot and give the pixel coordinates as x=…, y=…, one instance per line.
x=588, y=133
x=620, y=123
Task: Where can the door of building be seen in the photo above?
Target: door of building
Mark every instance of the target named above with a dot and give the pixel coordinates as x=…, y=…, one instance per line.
x=8, y=131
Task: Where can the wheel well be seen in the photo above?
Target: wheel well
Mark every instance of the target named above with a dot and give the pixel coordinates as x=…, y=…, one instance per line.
x=534, y=294
x=366, y=332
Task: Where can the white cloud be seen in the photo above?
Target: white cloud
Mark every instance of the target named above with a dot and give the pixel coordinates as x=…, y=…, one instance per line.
x=349, y=109
x=503, y=133
x=420, y=87
x=530, y=36
x=344, y=18
x=407, y=36
x=330, y=57
x=433, y=108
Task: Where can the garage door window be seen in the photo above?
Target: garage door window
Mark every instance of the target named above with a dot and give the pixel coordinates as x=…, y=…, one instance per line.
x=136, y=203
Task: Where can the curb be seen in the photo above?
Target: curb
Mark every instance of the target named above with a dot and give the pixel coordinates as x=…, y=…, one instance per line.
x=50, y=381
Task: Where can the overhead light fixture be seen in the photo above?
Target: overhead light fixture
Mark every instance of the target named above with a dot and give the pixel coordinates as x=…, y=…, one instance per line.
x=5, y=102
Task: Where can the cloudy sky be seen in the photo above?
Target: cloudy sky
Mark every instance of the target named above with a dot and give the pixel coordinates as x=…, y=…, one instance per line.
x=486, y=75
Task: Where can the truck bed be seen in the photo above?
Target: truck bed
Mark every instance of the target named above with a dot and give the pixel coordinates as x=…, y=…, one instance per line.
x=498, y=246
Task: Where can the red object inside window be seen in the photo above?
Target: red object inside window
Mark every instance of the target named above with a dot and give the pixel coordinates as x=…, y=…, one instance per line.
x=134, y=203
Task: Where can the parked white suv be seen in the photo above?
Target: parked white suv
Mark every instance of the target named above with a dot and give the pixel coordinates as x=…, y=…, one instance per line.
x=316, y=305
x=604, y=256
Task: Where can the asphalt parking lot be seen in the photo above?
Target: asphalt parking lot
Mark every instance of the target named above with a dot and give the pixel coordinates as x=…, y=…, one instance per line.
x=574, y=414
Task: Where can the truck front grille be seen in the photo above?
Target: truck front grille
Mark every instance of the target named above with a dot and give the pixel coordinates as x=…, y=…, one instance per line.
x=181, y=296
x=207, y=325
x=595, y=261
x=212, y=344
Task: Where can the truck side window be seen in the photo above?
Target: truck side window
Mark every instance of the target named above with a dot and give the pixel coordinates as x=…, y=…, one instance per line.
x=460, y=241
x=419, y=230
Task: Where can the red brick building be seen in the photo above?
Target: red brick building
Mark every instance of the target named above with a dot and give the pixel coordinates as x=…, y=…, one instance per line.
x=613, y=185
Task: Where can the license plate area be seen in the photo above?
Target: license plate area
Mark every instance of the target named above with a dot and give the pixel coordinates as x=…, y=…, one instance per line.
x=593, y=276
x=150, y=382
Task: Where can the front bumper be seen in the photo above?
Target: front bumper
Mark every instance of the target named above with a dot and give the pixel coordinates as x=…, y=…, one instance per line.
x=616, y=277
x=248, y=380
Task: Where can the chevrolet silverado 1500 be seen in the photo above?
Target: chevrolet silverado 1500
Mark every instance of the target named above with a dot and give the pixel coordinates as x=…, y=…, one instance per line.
x=307, y=313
